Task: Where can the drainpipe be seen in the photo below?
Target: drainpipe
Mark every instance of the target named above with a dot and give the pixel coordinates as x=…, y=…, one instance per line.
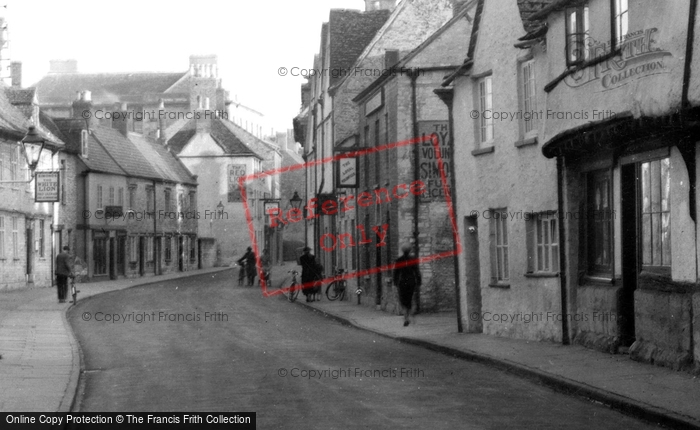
x=413, y=74
x=447, y=96
x=562, y=252
x=156, y=257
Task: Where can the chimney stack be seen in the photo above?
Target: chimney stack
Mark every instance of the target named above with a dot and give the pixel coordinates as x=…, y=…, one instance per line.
x=82, y=107
x=16, y=74
x=123, y=123
x=305, y=94
x=391, y=58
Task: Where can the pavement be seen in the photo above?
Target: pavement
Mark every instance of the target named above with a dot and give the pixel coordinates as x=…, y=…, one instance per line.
x=39, y=355
x=40, y=358
x=650, y=392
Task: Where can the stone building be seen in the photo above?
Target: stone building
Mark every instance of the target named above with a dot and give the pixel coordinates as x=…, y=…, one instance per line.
x=506, y=194
x=343, y=39
x=26, y=254
x=623, y=89
x=220, y=152
x=128, y=206
x=397, y=107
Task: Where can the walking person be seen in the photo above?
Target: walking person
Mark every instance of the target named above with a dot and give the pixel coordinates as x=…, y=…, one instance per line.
x=249, y=259
x=309, y=273
x=64, y=270
x=266, y=263
x=406, y=278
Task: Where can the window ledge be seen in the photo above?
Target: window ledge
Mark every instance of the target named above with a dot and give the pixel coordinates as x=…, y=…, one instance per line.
x=482, y=151
x=542, y=275
x=500, y=285
x=526, y=142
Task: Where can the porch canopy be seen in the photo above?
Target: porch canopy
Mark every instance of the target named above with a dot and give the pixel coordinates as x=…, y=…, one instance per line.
x=622, y=131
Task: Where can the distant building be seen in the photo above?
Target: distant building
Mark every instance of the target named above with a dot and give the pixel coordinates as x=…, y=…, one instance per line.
x=128, y=206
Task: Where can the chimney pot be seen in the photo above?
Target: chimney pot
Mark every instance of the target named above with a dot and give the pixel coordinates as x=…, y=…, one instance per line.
x=16, y=73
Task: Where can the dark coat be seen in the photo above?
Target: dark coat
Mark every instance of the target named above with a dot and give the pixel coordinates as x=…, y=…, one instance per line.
x=406, y=278
x=309, y=268
x=64, y=264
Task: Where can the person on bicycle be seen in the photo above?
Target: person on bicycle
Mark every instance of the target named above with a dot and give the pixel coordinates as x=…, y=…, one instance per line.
x=309, y=273
x=249, y=259
x=406, y=278
x=63, y=271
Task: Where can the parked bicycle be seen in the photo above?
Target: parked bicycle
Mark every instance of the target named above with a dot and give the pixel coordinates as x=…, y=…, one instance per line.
x=293, y=291
x=336, y=289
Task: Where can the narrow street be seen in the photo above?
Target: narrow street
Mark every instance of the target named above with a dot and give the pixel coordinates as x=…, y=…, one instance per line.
x=234, y=350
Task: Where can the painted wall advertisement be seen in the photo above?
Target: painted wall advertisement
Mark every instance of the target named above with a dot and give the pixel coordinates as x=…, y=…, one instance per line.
x=428, y=167
x=235, y=172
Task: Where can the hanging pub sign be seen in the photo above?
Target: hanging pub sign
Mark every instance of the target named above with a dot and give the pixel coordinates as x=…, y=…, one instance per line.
x=346, y=172
x=46, y=187
x=271, y=206
x=428, y=160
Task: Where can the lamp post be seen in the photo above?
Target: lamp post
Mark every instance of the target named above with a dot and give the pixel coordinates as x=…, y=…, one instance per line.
x=295, y=201
x=32, y=145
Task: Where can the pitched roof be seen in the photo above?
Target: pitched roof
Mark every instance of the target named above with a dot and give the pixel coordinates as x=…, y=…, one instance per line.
x=162, y=160
x=232, y=139
x=106, y=88
x=124, y=153
x=349, y=32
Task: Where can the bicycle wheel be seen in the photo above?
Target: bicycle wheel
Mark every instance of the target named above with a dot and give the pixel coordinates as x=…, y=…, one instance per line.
x=293, y=292
x=343, y=288
x=74, y=292
x=332, y=291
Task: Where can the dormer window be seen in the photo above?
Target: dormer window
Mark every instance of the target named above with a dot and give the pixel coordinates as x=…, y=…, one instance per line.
x=577, y=30
x=84, y=143
x=620, y=15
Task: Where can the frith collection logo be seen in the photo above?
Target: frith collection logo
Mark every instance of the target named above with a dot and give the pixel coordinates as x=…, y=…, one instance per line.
x=640, y=58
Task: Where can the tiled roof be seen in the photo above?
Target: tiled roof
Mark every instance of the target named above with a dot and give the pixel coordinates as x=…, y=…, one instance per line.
x=106, y=88
x=163, y=161
x=124, y=153
x=12, y=121
x=232, y=139
x=527, y=9
x=349, y=32
x=100, y=160
x=259, y=146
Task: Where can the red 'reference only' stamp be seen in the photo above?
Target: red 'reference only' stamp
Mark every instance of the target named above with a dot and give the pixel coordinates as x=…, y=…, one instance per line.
x=364, y=235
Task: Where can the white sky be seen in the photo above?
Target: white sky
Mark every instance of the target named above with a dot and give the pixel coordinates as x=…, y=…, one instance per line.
x=252, y=39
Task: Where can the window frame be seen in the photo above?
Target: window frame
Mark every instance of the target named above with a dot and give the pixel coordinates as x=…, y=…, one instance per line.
x=528, y=92
x=664, y=269
x=620, y=20
x=499, y=248
x=2, y=237
x=485, y=102
x=580, y=35
x=543, y=243
x=99, y=200
x=590, y=229
x=84, y=138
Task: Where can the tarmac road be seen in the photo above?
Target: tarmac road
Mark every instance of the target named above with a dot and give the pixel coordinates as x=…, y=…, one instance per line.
x=234, y=350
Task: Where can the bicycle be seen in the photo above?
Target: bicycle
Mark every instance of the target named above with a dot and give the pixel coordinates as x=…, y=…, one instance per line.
x=74, y=291
x=241, y=274
x=293, y=288
x=266, y=275
x=336, y=289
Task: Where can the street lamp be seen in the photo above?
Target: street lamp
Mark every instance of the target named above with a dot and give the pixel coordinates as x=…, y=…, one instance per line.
x=32, y=146
x=295, y=201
